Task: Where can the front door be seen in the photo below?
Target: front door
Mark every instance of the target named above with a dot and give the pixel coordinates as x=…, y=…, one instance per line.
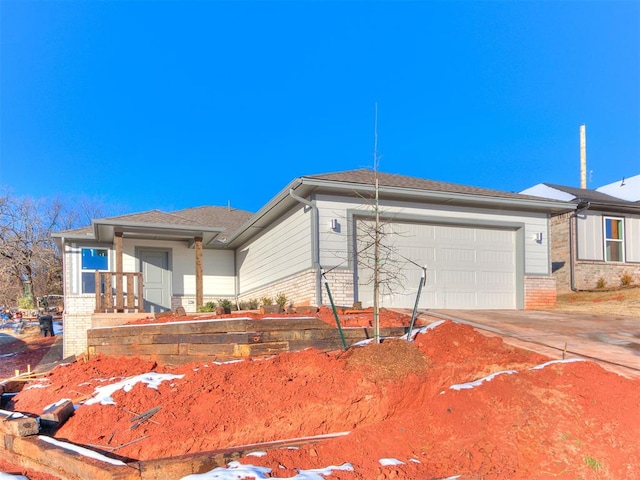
x=154, y=264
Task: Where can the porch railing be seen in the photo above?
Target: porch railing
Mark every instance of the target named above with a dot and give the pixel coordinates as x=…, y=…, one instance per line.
x=111, y=295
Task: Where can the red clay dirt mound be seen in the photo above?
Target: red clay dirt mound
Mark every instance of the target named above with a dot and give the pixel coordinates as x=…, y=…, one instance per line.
x=563, y=421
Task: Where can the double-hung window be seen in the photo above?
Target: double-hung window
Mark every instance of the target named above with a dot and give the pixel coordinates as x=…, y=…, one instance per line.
x=93, y=259
x=613, y=239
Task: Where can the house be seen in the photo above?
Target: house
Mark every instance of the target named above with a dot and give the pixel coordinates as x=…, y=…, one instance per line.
x=481, y=249
x=598, y=244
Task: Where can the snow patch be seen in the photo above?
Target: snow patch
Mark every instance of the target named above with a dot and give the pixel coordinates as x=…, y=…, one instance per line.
x=475, y=383
x=102, y=395
x=81, y=450
x=546, y=364
x=238, y=471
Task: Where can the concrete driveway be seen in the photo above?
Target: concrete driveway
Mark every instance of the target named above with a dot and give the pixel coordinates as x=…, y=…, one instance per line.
x=612, y=341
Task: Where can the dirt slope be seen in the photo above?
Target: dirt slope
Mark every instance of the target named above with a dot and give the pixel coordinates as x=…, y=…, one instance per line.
x=565, y=421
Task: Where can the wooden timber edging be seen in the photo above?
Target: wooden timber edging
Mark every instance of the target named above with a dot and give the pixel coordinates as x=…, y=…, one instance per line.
x=67, y=463
x=223, y=339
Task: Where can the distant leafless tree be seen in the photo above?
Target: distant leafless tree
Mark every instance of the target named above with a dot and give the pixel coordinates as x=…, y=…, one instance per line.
x=27, y=251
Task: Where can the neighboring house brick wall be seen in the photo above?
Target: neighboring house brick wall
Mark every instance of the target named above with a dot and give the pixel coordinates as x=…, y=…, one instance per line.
x=560, y=251
x=587, y=274
x=539, y=292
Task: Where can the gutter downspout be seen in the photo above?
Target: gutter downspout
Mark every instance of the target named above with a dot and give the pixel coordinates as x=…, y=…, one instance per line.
x=315, y=241
x=572, y=240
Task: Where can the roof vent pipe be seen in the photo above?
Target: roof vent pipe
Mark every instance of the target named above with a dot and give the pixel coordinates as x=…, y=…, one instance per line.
x=583, y=156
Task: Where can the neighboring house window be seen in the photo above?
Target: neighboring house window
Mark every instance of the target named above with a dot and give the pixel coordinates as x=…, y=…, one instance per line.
x=93, y=259
x=614, y=239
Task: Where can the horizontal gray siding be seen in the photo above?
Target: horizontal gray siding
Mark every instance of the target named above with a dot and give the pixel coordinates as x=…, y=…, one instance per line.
x=282, y=250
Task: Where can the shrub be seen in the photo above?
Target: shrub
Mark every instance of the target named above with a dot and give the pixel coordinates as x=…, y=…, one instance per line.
x=225, y=303
x=251, y=304
x=281, y=299
x=208, y=307
x=25, y=303
x=625, y=279
x=266, y=301
x=601, y=283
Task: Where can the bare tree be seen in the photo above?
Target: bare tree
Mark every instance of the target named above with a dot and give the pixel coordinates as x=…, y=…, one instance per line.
x=26, y=248
x=30, y=264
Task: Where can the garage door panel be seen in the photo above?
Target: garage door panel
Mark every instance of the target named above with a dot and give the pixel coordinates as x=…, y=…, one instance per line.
x=494, y=279
x=490, y=299
x=494, y=235
x=496, y=257
x=459, y=278
x=452, y=233
x=463, y=299
x=458, y=255
x=467, y=267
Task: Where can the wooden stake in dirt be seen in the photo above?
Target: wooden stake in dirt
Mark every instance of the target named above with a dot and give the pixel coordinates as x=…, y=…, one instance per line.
x=143, y=417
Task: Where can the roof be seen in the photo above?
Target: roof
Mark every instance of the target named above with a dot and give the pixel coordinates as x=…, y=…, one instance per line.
x=580, y=196
x=225, y=217
x=208, y=222
x=361, y=183
x=231, y=227
x=625, y=189
x=367, y=177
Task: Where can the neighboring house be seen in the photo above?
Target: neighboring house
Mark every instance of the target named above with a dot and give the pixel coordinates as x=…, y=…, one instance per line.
x=481, y=249
x=597, y=244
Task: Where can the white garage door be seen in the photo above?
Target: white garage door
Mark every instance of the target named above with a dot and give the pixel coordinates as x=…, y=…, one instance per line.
x=467, y=267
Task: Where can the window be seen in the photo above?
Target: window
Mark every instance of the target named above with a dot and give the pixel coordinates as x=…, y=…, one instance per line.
x=614, y=239
x=93, y=259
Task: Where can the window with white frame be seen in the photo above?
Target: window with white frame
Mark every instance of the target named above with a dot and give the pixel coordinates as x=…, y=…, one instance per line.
x=93, y=259
x=613, y=239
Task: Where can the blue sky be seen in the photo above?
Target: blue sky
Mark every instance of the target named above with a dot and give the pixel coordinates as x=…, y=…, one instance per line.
x=177, y=104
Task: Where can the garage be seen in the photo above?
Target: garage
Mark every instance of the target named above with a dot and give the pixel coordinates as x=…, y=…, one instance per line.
x=467, y=266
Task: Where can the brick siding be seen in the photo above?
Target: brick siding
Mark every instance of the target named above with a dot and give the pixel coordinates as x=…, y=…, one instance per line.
x=539, y=292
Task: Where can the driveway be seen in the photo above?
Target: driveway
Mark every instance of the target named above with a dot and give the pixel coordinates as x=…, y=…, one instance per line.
x=611, y=341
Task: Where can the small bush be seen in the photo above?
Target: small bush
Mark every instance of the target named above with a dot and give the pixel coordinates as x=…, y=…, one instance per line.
x=281, y=299
x=208, y=307
x=266, y=301
x=225, y=303
x=251, y=304
x=26, y=303
x=601, y=283
x=625, y=279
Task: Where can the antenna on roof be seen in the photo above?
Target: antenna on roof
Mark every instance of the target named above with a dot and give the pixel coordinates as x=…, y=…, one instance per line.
x=622, y=183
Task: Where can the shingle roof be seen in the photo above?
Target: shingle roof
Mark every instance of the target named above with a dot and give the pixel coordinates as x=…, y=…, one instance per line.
x=154, y=216
x=225, y=217
x=583, y=194
x=364, y=176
